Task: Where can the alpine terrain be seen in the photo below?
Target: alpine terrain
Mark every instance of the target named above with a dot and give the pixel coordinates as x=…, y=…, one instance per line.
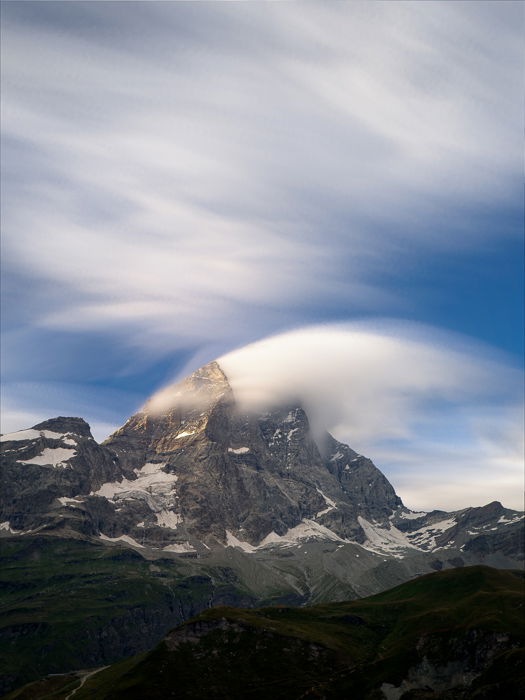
x=435, y=637
x=194, y=504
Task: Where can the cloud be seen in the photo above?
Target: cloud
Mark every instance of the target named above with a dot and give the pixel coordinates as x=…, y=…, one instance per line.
x=456, y=479
x=365, y=378
x=463, y=458
x=437, y=412
x=209, y=174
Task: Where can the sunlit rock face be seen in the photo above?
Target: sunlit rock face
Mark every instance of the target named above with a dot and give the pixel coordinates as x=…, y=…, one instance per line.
x=250, y=477
x=192, y=473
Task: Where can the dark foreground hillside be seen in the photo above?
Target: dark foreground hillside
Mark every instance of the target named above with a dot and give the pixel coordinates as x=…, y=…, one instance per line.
x=453, y=634
x=69, y=604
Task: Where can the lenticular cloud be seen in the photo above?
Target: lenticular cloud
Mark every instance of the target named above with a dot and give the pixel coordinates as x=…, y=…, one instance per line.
x=364, y=381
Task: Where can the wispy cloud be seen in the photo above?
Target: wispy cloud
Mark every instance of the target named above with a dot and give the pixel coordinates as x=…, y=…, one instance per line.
x=463, y=457
x=210, y=174
x=25, y=404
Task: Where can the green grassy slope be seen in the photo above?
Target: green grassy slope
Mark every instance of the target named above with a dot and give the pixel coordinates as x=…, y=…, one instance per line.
x=452, y=634
x=69, y=604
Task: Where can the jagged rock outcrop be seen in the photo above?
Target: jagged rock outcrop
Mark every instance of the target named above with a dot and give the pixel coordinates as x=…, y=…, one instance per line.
x=48, y=466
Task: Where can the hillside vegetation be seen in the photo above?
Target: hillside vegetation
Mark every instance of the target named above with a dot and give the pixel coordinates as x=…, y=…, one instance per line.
x=453, y=634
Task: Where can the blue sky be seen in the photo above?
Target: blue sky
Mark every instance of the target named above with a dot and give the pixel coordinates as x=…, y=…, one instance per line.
x=183, y=179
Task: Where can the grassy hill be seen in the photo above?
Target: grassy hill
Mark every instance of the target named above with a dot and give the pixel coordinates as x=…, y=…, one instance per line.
x=68, y=604
x=453, y=634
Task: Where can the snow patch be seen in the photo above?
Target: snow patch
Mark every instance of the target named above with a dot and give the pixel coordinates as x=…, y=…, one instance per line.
x=232, y=541
x=425, y=537
x=66, y=501
x=32, y=434
x=69, y=441
x=51, y=456
x=331, y=504
x=327, y=500
x=506, y=521
x=307, y=529
x=7, y=527
x=184, y=433
x=412, y=515
x=153, y=485
x=179, y=548
x=378, y=539
x=323, y=512
x=239, y=450
x=122, y=538
x=167, y=518
x=151, y=480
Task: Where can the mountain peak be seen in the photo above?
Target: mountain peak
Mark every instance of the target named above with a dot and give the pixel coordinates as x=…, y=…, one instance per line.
x=65, y=424
x=211, y=372
x=202, y=388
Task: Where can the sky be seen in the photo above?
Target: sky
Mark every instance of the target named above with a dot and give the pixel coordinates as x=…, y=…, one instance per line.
x=326, y=196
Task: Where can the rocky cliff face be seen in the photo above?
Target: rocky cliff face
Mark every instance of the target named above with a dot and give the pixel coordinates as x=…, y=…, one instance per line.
x=249, y=477
x=46, y=467
x=191, y=473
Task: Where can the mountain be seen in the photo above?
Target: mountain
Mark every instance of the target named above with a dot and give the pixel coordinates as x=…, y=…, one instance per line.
x=195, y=503
x=451, y=634
x=200, y=475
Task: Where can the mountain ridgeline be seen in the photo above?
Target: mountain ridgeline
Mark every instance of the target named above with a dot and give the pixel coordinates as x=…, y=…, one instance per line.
x=195, y=503
x=201, y=475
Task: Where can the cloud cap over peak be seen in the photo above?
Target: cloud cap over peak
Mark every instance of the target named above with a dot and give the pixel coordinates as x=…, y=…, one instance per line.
x=390, y=388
